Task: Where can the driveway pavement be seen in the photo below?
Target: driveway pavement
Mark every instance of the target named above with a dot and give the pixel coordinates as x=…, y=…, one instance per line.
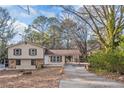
x=78, y=77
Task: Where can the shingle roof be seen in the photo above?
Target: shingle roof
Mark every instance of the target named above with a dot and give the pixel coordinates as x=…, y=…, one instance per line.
x=24, y=42
x=63, y=52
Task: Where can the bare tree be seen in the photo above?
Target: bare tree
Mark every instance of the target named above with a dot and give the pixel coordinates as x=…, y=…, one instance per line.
x=107, y=22
x=76, y=32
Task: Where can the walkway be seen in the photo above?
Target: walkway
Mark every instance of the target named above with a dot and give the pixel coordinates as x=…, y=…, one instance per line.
x=78, y=77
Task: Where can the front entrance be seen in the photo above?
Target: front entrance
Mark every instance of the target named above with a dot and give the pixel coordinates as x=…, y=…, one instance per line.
x=68, y=59
x=74, y=59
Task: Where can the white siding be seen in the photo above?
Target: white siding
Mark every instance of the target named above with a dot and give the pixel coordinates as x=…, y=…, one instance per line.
x=25, y=64
x=47, y=61
x=25, y=52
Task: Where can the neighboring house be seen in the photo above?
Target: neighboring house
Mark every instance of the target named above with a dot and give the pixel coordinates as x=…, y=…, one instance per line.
x=26, y=55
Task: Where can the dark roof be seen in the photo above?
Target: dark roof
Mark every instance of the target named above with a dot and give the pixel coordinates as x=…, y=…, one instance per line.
x=63, y=52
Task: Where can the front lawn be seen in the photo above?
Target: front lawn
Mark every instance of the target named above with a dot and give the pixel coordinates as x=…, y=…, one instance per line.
x=44, y=78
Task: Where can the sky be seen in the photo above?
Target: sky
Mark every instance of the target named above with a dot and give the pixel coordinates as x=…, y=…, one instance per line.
x=23, y=19
x=20, y=14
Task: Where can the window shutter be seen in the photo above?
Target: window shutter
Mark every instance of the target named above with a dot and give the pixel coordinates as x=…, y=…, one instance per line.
x=13, y=51
x=20, y=52
x=29, y=51
x=35, y=51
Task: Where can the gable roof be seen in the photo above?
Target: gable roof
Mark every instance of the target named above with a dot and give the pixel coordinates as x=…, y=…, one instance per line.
x=12, y=45
x=63, y=52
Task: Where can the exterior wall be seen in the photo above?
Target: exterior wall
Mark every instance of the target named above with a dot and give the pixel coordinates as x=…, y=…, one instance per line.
x=75, y=59
x=12, y=64
x=25, y=52
x=25, y=64
x=47, y=61
x=39, y=63
x=63, y=59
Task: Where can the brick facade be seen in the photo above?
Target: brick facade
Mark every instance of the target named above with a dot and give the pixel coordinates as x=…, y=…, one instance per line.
x=12, y=64
x=39, y=63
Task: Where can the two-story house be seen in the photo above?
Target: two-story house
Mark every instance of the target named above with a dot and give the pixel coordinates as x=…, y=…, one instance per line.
x=26, y=55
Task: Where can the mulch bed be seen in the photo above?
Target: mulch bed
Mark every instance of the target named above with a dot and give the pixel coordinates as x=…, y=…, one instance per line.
x=110, y=75
x=113, y=76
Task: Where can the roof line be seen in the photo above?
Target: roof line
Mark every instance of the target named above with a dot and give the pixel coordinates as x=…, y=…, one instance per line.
x=23, y=43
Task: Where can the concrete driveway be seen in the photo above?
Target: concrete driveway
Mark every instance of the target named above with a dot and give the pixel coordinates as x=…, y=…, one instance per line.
x=78, y=77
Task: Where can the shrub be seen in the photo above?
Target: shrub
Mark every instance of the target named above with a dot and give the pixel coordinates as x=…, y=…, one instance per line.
x=112, y=61
x=27, y=72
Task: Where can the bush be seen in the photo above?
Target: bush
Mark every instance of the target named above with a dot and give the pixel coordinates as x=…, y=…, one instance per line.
x=27, y=72
x=112, y=61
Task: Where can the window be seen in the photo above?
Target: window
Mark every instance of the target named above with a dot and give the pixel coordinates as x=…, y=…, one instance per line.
x=18, y=62
x=32, y=52
x=56, y=58
x=51, y=58
x=17, y=52
x=33, y=62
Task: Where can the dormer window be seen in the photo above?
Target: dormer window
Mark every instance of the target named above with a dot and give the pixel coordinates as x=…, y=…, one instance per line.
x=17, y=52
x=32, y=52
